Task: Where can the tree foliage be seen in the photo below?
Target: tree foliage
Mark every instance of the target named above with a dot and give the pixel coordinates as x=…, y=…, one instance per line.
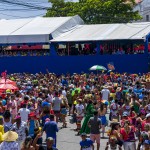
x=95, y=11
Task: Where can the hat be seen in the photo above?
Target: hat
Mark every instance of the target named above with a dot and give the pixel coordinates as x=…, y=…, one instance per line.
x=125, y=114
x=83, y=134
x=148, y=115
x=18, y=117
x=32, y=114
x=10, y=136
x=118, y=89
x=105, y=87
x=114, y=121
x=49, y=139
x=47, y=119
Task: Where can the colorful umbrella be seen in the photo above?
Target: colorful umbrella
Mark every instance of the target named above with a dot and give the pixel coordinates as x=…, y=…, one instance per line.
x=3, y=81
x=4, y=87
x=97, y=67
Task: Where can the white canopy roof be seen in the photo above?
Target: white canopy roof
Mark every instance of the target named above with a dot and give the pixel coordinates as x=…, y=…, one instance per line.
x=35, y=30
x=102, y=32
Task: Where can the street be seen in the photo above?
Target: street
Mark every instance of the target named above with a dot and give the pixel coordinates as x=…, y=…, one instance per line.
x=67, y=140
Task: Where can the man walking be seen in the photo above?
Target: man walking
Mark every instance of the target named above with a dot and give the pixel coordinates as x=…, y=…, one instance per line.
x=95, y=126
x=51, y=128
x=56, y=105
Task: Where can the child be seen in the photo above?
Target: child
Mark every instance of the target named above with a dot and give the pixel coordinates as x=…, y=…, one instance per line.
x=86, y=143
x=112, y=144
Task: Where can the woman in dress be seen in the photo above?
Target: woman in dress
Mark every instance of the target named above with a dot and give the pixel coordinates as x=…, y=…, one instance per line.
x=88, y=114
x=102, y=112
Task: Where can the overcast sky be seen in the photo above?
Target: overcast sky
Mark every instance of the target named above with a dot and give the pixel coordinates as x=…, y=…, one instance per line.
x=11, y=9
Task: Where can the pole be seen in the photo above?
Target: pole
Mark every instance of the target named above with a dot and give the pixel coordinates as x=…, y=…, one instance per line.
x=68, y=49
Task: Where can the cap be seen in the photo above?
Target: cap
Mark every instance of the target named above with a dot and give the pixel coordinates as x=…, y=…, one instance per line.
x=125, y=114
x=18, y=117
x=83, y=134
x=49, y=139
x=148, y=115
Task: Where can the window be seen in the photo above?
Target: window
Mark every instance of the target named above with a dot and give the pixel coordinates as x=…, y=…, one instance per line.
x=147, y=17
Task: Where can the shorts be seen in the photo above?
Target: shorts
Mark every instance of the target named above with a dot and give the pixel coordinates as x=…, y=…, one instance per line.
x=103, y=120
x=95, y=137
x=56, y=112
x=64, y=111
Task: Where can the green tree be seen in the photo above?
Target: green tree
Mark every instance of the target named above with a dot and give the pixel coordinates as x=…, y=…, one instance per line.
x=95, y=11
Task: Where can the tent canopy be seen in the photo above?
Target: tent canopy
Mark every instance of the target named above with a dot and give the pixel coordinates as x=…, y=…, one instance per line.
x=102, y=32
x=35, y=30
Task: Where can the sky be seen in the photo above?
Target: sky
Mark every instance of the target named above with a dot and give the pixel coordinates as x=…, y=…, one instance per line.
x=13, y=9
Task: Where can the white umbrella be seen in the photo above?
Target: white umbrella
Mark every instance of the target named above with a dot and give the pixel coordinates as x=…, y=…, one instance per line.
x=97, y=67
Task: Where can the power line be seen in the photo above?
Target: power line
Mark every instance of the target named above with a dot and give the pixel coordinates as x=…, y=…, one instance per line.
x=25, y=4
x=22, y=17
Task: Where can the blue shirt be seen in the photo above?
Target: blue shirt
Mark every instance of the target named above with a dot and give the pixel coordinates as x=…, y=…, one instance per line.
x=64, y=82
x=87, y=143
x=31, y=127
x=45, y=104
x=50, y=128
x=3, y=102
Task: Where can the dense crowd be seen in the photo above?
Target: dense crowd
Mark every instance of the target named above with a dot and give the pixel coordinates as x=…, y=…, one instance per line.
x=44, y=100
x=10, y=53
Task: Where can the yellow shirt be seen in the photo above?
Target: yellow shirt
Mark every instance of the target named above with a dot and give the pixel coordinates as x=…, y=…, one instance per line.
x=1, y=133
x=113, y=95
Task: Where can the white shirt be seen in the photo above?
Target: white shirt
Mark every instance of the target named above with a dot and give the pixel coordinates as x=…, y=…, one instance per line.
x=64, y=93
x=56, y=103
x=105, y=94
x=24, y=112
x=9, y=146
x=79, y=108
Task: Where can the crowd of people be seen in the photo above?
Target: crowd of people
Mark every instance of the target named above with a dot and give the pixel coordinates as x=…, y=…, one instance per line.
x=44, y=100
x=105, y=48
x=10, y=53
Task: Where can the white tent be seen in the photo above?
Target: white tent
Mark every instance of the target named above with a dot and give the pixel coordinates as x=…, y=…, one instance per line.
x=102, y=32
x=35, y=30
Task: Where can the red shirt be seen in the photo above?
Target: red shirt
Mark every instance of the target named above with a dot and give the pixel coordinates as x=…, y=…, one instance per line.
x=143, y=124
x=128, y=137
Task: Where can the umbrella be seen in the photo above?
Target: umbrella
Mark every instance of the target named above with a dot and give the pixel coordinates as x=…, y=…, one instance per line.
x=4, y=87
x=97, y=67
x=3, y=81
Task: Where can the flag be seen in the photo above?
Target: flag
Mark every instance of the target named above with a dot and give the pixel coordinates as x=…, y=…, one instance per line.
x=4, y=74
x=110, y=66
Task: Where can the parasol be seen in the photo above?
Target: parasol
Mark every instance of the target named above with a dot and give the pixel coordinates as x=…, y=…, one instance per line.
x=7, y=81
x=97, y=67
x=4, y=87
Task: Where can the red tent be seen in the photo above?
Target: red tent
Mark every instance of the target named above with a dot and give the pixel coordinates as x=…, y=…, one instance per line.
x=2, y=81
x=4, y=87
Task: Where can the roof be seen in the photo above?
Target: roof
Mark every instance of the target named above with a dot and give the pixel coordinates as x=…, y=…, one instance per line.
x=102, y=32
x=37, y=30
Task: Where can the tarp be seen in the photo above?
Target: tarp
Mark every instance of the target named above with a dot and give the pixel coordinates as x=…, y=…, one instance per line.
x=102, y=32
x=35, y=30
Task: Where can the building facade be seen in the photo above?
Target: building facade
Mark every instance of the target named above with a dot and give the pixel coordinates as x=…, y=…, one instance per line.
x=144, y=9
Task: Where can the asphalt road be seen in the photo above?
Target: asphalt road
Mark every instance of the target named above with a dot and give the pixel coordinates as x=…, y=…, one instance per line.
x=67, y=139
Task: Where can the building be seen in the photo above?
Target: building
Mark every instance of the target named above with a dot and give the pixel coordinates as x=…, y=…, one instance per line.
x=143, y=6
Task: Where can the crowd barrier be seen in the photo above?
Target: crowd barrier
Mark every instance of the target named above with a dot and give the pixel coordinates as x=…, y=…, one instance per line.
x=137, y=63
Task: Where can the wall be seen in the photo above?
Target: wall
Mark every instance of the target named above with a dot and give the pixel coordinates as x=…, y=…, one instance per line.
x=62, y=64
